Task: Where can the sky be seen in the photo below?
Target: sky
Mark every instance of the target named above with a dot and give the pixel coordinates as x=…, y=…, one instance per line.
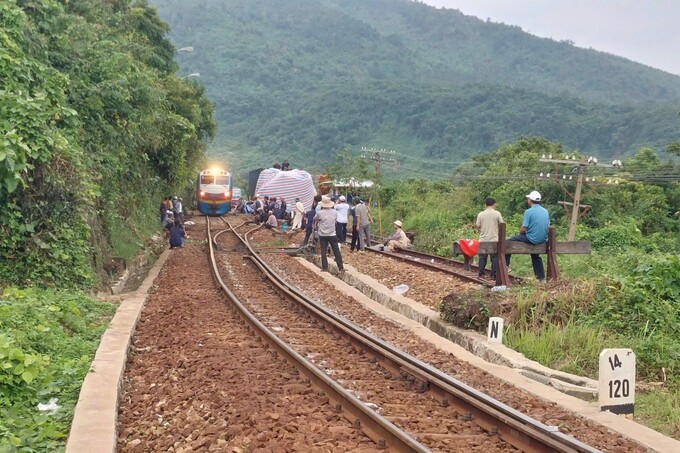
x=646, y=31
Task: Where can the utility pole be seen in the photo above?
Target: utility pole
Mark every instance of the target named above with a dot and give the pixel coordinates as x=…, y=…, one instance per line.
x=579, y=168
x=378, y=157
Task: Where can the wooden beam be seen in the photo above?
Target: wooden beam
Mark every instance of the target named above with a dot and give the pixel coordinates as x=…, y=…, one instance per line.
x=569, y=203
x=553, y=271
x=502, y=277
x=522, y=248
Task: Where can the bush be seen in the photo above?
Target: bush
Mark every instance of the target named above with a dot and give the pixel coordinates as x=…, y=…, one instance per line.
x=46, y=348
x=616, y=236
x=647, y=300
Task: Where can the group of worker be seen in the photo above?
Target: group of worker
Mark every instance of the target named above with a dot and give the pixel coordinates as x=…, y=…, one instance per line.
x=172, y=219
x=325, y=214
x=328, y=219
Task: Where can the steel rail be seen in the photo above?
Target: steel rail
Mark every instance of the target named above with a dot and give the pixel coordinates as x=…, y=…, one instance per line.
x=437, y=258
x=440, y=264
x=462, y=274
x=449, y=262
x=514, y=427
x=376, y=427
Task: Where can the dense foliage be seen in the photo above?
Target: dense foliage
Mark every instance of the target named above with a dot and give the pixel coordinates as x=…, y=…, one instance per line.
x=302, y=79
x=46, y=344
x=94, y=128
x=94, y=125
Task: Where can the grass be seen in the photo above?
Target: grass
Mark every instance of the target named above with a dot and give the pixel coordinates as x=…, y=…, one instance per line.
x=572, y=348
x=127, y=236
x=660, y=410
x=57, y=333
x=625, y=294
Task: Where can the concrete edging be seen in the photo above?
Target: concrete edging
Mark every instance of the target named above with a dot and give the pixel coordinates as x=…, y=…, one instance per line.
x=571, y=384
x=94, y=426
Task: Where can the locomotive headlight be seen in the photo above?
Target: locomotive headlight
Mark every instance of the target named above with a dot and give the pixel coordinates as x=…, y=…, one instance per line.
x=226, y=193
x=202, y=193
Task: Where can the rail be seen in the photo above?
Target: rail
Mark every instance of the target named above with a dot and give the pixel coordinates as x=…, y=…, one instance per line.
x=383, y=432
x=514, y=427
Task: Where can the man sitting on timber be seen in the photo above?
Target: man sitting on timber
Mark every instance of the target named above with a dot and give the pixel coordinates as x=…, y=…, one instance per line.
x=534, y=231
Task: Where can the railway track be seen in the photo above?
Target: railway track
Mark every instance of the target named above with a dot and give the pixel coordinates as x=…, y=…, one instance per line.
x=400, y=402
x=438, y=263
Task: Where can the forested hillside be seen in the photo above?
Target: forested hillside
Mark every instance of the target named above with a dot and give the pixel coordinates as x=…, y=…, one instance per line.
x=301, y=79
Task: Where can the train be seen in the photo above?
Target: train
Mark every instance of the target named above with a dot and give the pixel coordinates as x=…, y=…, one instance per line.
x=214, y=190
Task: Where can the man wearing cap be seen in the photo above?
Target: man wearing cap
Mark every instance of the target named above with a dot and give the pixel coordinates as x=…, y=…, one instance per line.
x=179, y=207
x=487, y=224
x=325, y=220
x=298, y=214
x=534, y=231
x=272, y=223
x=341, y=225
x=398, y=240
x=177, y=235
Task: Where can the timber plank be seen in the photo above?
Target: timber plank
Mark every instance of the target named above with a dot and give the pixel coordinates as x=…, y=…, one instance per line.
x=522, y=248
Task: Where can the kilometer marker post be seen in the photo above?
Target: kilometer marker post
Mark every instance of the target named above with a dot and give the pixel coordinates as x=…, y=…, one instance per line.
x=617, y=381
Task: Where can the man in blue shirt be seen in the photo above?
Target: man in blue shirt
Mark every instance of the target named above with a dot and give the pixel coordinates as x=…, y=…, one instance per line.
x=177, y=235
x=534, y=231
x=309, y=217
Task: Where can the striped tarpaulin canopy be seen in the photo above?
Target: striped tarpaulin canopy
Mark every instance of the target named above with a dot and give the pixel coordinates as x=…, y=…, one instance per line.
x=289, y=184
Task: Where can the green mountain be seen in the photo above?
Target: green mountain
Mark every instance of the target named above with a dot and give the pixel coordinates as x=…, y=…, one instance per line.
x=301, y=79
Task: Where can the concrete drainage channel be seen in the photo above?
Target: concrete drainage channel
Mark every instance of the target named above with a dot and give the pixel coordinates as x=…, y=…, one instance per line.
x=570, y=384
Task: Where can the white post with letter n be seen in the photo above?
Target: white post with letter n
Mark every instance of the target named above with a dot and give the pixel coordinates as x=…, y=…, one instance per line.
x=617, y=381
x=495, y=331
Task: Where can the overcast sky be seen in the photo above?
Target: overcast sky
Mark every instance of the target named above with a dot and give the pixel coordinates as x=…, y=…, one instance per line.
x=646, y=31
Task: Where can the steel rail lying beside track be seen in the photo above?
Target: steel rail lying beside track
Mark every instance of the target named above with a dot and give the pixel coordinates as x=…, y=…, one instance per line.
x=441, y=264
x=519, y=430
x=379, y=429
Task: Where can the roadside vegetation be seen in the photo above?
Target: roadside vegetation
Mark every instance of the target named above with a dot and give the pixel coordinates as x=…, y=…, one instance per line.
x=47, y=341
x=95, y=128
x=626, y=294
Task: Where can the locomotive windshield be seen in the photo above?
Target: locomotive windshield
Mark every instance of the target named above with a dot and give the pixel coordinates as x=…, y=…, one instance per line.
x=221, y=180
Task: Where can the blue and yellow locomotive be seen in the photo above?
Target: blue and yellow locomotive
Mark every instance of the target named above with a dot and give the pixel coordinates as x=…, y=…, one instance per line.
x=213, y=192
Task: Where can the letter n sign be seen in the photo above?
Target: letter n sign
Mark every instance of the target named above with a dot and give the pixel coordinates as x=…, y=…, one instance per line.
x=617, y=381
x=495, y=332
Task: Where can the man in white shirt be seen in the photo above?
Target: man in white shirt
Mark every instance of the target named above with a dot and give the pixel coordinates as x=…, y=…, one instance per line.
x=298, y=214
x=341, y=226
